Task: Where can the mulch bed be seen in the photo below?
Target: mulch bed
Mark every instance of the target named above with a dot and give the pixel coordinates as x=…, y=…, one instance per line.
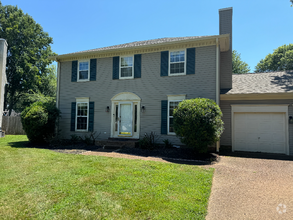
x=174, y=153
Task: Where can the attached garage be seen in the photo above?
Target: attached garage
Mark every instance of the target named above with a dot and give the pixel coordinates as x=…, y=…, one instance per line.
x=260, y=128
x=257, y=111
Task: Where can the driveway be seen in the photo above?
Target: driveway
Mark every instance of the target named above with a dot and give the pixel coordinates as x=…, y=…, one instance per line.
x=250, y=188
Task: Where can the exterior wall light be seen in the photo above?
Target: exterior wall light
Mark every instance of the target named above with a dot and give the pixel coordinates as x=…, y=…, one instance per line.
x=143, y=109
x=107, y=109
x=290, y=120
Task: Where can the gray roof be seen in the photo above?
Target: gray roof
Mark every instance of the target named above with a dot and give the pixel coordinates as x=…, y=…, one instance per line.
x=143, y=43
x=252, y=83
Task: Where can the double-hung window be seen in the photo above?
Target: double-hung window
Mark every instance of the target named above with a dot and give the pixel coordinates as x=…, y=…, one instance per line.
x=177, y=62
x=83, y=70
x=172, y=106
x=173, y=102
x=126, y=67
x=82, y=115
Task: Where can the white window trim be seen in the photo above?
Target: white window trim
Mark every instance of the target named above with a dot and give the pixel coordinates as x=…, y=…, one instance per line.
x=88, y=75
x=78, y=101
x=173, y=98
x=169, y=63
x=132, y=77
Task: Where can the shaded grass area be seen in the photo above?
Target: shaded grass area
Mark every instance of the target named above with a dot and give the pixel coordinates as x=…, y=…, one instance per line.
x=42, y=184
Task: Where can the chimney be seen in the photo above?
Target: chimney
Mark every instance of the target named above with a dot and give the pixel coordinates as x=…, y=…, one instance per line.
x=225, y=26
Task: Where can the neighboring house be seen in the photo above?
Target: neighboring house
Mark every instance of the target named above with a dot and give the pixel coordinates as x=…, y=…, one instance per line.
x=257, y=113
x=127, y=90
x=3, y=80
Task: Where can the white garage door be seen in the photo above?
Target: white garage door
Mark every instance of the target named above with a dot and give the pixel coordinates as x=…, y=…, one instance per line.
x=260, y=132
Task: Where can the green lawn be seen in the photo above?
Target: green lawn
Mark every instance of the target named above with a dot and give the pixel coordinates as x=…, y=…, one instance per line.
x=42, y=184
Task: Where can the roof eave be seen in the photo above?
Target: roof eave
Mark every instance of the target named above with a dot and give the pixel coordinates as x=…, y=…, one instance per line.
x=256, y=96
x=224, y=42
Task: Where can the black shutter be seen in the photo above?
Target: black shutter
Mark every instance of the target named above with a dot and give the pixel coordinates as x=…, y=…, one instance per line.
x=164, y=63
x=190, y=67
x=91, y=116
x=73, y=113
x=164, y=112
x=137, y=66
x=74, y=71
x=93, y=69
x=115, y=67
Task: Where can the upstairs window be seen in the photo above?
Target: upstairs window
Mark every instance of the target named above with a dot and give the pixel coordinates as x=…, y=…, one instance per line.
x=126, y=67
x=83, y=70
x=177, y=62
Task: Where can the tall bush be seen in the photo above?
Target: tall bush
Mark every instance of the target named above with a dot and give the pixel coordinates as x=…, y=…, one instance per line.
x=198, y=124
x=38, y=121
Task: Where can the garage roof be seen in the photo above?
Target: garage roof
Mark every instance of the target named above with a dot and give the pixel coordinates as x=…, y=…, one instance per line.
x=260, y=83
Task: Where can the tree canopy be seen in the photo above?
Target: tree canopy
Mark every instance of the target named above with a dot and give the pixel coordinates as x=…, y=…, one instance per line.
x=28, y=49
x=239, y=66
x=48, y=85
x=281, y=59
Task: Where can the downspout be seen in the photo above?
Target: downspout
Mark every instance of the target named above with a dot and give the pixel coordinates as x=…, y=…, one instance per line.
x=58, y=83
x=217, y=82
x=58, y=92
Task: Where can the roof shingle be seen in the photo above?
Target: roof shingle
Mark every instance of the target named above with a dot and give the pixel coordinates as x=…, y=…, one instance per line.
x=142, y=43
x=252, y=83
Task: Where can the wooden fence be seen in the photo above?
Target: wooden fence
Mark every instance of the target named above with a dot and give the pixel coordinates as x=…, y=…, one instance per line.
x=12, y=125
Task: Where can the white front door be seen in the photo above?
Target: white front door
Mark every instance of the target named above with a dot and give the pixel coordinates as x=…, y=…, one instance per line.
x=125, y=119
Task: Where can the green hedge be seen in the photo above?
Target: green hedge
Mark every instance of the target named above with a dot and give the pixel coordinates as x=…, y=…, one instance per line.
x=198, y=124
x=38, y=121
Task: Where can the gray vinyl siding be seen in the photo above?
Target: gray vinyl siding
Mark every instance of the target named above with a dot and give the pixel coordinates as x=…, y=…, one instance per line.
x=226, y=138
x=151, y=88
x=225, y=26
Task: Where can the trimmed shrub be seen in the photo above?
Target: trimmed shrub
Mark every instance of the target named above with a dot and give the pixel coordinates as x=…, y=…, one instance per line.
x=198, y=124
x=149, y=140
x=38, y=121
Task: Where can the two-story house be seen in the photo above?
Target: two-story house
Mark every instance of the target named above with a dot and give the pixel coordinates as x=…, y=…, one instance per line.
x=127, y=90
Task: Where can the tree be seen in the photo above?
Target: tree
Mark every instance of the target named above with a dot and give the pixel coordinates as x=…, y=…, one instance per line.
x=46, y=90
x=198, y=124
x=48, y=82
x=239, y=66
x=281, y=59
x=291, y=2
x=27, y=54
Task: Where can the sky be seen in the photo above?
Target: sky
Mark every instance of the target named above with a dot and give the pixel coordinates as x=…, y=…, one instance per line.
x=259, y=26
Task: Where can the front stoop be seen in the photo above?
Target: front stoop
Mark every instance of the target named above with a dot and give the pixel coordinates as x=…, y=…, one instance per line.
x=116, y=143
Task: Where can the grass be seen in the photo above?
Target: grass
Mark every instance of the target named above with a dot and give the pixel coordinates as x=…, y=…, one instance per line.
x=42, y=184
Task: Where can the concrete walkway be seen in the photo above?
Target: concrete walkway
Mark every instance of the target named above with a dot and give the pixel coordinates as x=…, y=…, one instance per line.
x=249, y=188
